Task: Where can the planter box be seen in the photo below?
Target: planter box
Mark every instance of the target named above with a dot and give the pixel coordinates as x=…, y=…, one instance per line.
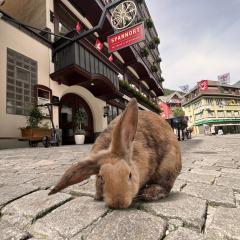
x=35, y=133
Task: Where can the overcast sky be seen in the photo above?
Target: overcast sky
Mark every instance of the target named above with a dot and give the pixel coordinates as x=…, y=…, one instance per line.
x=200, y=39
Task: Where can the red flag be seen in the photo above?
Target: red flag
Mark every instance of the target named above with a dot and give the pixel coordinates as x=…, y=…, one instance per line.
x=110, y=58
x=203, y=85
x=99, y=45
x=78, y=27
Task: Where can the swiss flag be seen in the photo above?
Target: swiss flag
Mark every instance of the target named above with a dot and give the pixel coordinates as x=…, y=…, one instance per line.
x=110, y=58
x=78, y=27
x=99, y=45
x=203, y=85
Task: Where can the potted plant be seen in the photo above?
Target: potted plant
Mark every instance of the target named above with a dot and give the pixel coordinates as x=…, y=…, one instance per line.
x=154, y=68
x=158, y=60
x=149, y=23
x=144, y=52
x=152, y=45
x=157, y=40
x=33, y=130
x=80, y=117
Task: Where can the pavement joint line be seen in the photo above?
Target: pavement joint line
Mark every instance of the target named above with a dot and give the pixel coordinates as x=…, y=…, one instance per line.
x=12, y=200
x=49, y=210
x=93, y=222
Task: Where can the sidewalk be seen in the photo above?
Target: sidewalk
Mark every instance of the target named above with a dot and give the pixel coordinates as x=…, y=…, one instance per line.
x=204, y=203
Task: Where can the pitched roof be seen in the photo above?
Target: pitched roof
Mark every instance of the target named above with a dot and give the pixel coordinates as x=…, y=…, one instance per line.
x=169, y=97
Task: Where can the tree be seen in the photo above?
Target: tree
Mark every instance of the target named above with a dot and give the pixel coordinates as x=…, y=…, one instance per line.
x=178, y=112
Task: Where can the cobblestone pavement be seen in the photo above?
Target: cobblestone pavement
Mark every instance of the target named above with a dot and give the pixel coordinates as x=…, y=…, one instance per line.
x=204, y=203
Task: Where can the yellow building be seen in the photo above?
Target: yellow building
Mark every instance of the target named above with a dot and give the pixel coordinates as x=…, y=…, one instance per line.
x=217, y=108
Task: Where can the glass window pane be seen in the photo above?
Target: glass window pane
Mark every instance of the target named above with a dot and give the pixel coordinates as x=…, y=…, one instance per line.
x=19, y=82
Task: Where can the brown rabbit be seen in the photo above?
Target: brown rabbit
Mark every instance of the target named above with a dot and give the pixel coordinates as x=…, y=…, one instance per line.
x=138, y=155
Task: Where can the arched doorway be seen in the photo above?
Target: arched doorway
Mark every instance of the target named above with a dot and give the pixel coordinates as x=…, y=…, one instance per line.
x=69, y=104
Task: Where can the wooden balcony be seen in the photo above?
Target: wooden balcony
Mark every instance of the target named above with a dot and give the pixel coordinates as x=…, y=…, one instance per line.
x=79, y=63
x=133, y=58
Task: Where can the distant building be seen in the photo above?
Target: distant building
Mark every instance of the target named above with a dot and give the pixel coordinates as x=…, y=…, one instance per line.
x=169, y=103
x=217, y=108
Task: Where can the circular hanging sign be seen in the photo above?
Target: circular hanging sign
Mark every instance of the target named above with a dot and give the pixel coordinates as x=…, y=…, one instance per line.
x=123, y=15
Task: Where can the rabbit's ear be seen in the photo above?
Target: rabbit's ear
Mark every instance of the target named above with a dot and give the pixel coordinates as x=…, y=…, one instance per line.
x=125, y=130
x=79, y=172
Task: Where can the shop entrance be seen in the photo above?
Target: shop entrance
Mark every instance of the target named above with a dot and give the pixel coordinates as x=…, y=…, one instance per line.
x=69, y=105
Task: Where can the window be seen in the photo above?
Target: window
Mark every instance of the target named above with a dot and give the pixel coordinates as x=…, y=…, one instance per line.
x=199, y=116
x=236, y=114
x=209, y=101
x=211, y=114
x=113, y=112
x=229, y=113
x=221, y=114
x=62, y=29
x=21, y=78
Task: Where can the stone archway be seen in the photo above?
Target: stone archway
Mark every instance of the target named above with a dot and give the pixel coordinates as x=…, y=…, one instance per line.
x=69, y=104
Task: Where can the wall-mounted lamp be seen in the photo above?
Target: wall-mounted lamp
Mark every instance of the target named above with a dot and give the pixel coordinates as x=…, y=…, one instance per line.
x=105, y=111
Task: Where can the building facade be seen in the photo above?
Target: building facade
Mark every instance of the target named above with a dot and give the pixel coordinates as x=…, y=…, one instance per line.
x=169, y=103
x=217, y=108
x=37, y=67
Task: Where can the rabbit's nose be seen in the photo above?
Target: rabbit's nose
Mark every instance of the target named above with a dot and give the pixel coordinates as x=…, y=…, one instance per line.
x=119, y=204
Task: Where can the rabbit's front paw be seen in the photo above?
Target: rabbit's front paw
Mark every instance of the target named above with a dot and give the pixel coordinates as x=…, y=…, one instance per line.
x=153, y=192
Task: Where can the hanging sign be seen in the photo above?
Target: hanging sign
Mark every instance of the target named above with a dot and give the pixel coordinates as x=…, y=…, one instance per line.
x=126, y=38
x=123, y=15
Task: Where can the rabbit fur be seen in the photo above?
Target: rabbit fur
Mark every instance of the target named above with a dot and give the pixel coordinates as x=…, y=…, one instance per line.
x=136, y=156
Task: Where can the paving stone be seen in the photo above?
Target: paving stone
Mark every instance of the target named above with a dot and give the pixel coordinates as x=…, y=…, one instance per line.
x=174, y=224
x=83, y=189
x=178, y=185
x=14, y=179
x=10, y=193
x=225, y=224
x=70, y=219
x=231, y=171
x=27, y=209
x=210, y=214
x=215, y=195
x=233, y=183
x=185, y=169
x=8, y=232
x=237, y=196
x=206, y=172
x=206, y=162
x=180, y=206
x=44, y=181
x=226, y=164
x=184, y=234
x=214, y=168
x=231, y=175
x=194, y=177
x=129, y=225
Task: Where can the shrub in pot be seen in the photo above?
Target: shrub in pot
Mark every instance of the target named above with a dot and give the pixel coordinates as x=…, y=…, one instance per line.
x=80, y=117
x=33, y=128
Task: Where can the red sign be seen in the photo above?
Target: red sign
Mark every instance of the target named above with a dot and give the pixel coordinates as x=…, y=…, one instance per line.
x=99, y=45
x=166, y=110
x=203, y=85
x=78, y=27
x=126, y=38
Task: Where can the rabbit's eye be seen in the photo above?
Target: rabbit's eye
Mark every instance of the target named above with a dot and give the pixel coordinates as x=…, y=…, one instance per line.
x=130, y=176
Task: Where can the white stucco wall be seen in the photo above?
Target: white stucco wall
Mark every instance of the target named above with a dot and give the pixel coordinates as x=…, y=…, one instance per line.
x=14, y=39
x=96, y=105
